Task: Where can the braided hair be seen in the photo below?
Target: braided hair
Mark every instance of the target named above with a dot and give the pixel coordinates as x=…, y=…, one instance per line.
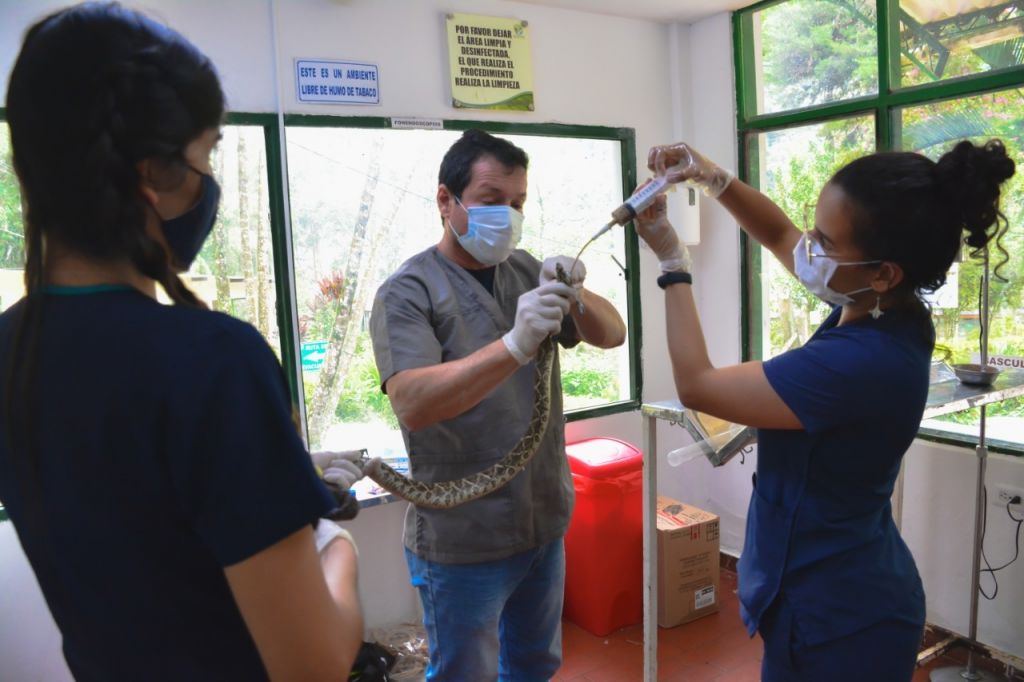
x=95, y=90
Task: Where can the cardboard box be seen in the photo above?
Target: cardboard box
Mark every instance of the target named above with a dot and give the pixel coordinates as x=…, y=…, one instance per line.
x=687, y=562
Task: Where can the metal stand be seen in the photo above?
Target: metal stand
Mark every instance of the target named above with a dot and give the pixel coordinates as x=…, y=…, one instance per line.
x=650, y=499
x=955, y=674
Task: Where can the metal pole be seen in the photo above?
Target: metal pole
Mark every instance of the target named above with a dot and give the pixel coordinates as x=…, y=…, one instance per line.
x=650, y=499
x=971, y=672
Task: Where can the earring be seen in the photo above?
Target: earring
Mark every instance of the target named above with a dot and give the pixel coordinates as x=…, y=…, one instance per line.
x=877, y=312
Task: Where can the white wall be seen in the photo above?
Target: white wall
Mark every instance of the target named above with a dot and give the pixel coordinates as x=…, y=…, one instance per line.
x=938, y=525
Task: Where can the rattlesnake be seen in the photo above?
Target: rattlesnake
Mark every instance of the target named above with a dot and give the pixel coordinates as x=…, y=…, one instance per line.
x=448, y=494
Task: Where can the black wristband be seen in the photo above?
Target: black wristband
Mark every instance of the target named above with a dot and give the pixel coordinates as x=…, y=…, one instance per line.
x=668, y=278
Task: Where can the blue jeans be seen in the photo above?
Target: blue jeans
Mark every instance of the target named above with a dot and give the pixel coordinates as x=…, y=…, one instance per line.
x=493, y=620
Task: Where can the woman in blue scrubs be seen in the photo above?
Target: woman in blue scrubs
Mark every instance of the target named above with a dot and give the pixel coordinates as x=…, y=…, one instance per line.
x=824, y=575
x=148, y=459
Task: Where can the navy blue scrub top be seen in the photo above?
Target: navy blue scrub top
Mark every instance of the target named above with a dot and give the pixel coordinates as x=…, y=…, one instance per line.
x=820, y=532
x=166, y=452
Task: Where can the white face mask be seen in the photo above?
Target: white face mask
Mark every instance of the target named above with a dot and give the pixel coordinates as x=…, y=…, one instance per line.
x=493, y=232
x=814, y=270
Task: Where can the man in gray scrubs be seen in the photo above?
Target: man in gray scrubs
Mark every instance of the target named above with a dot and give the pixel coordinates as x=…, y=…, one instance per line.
x=455, y=331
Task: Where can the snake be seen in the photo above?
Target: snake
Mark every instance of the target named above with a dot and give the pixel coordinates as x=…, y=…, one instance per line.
x=449, y=494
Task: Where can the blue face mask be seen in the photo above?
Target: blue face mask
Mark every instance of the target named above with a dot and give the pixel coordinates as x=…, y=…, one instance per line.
x=186, y=233
x=493, y=232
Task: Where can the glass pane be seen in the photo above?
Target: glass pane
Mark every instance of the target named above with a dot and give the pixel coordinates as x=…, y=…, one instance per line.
x=234, y=272
x=811, y=52
x=943, y=40
x=794, y=164
x=362, y=202
x=932, y=129
x=12, y=238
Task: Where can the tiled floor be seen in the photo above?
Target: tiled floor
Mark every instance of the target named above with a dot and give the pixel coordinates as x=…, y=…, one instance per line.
x=712, y=649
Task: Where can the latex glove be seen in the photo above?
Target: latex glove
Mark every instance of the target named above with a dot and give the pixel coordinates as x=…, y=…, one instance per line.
x=680, y=162
x=548, y=270
x=327, y=532
x=653, y=226
x=340, y=468
x=539, y=314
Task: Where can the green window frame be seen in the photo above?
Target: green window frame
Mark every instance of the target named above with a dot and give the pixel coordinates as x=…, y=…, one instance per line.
x=884, y=107
x=625, y=137
x=287, y=315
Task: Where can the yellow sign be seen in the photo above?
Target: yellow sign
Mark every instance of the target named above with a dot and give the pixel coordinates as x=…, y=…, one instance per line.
x=489, y=59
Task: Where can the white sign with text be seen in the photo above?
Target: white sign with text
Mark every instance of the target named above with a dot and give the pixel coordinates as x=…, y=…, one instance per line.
x=337, y=82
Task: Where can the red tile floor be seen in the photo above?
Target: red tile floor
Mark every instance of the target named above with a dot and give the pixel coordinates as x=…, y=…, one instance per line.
x=713, y=649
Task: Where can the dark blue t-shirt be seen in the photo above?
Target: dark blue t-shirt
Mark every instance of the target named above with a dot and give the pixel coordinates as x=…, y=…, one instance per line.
x=820, y=528
x=166, y=452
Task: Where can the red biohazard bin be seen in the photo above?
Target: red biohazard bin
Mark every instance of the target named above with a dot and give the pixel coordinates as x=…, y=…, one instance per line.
x=604, y=545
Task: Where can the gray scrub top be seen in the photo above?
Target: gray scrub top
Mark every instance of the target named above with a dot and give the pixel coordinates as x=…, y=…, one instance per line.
x=431, y=311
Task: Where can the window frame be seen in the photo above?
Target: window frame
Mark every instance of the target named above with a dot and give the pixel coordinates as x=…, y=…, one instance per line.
x=286, y=309
x=287, y=318
x=884, y=107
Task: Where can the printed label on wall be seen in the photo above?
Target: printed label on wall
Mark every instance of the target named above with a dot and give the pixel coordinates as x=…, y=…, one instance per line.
x=489, y=60
x=413, y=122
x=336, y=82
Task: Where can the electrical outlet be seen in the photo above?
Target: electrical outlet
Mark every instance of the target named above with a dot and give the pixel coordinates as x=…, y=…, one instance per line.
x=1005, y=493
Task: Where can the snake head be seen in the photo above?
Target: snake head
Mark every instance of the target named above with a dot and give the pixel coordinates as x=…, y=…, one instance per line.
x=561, y=274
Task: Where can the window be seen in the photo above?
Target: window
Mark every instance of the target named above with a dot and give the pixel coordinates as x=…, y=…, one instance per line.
x=794, y=164
x=12, y=236
x=234, y=272
x=363, y=201
x=815, y=91
x=814, y=52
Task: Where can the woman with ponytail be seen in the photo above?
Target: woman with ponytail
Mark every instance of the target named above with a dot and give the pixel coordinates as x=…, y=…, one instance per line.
x=824, y=575
x=148, y=459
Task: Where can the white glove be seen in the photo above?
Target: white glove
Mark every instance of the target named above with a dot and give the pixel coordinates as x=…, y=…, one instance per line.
x=539, y=314
x=327, y=532
x=653, y=227
x=340, y=468
x=680, y=162
x=548, y=274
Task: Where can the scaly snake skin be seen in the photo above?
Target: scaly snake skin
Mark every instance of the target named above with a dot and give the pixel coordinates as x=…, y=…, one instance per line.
x=448, y=494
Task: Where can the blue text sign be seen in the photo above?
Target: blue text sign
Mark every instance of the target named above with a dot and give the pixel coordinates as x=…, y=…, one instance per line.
x=336, y=82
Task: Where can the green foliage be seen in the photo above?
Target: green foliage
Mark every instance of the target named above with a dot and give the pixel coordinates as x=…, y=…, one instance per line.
x=818, y=51
x=588, y=383
x=12, y=240
x=590, y=376
x=361, y=398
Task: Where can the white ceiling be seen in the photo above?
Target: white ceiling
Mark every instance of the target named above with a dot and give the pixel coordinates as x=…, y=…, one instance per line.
x=684, y=11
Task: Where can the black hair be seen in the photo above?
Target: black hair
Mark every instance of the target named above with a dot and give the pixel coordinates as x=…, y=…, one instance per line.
x=912, y=211
x=95, y=89
x=457, y=164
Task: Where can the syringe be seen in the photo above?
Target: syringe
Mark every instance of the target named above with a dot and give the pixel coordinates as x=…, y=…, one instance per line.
x=640, y=200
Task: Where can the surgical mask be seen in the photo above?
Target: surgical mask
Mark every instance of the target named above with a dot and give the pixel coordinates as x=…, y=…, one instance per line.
x=186, y=233
x=493, y=232
x=814, y=270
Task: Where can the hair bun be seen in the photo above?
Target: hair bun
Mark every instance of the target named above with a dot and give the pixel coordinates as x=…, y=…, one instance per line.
x=970, y=177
